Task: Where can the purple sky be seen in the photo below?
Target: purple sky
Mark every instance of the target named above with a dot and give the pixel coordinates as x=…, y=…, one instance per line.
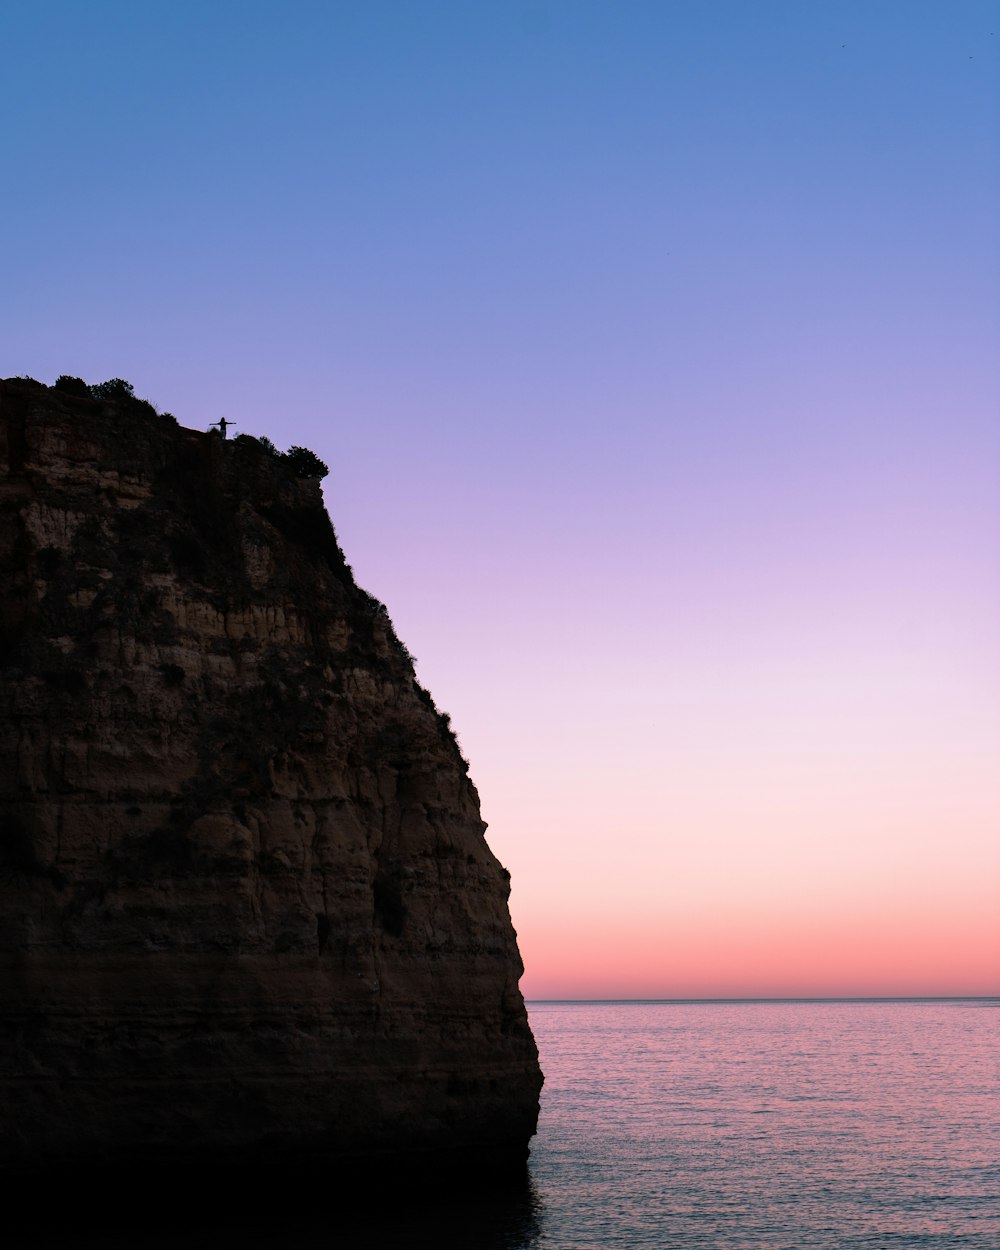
x=653, y=350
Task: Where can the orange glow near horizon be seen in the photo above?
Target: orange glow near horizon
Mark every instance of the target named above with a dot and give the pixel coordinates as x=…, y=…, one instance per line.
x=727, y=855
x=748, y=957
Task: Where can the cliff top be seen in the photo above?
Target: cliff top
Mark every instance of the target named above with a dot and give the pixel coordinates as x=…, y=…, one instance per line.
x=118, y=397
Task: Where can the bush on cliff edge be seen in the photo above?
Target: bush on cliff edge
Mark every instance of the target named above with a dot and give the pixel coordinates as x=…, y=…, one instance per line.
x=305, y=463
x=72, y=386
x=114, y=388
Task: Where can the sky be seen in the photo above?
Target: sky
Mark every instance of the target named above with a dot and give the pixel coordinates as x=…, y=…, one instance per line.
x=653, y=349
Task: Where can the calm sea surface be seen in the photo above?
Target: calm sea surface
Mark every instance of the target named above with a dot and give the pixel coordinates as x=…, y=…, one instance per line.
x=791, y=1125
x=722, y=1126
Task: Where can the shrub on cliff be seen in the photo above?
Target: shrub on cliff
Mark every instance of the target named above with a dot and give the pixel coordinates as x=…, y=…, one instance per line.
x=72, y=386
x=305, y=463
x=122, y=392
x=114, y=388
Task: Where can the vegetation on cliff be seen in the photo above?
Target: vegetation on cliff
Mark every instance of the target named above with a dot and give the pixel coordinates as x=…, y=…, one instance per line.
x=301, y=460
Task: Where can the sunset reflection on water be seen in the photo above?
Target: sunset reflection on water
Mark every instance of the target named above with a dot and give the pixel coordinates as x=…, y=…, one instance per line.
x=769, y=1124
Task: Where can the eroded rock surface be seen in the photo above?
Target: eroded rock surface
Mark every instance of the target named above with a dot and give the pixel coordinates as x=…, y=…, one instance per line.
x=246, y=904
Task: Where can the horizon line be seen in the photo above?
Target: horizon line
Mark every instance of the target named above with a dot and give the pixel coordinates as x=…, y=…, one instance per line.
x=828, y=998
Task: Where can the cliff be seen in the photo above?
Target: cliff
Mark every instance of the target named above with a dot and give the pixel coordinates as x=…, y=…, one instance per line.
x=247, y=910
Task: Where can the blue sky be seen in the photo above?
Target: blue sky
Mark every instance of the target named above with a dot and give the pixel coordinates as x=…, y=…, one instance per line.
x=653, y=350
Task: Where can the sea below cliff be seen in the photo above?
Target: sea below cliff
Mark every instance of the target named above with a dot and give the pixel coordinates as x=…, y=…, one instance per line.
x=830, y=1125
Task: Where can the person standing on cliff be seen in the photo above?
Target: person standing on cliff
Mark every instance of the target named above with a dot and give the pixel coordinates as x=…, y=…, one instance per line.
x=223, y=425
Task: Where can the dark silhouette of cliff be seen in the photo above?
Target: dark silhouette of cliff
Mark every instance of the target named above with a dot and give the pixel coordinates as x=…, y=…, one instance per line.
x=247, y=911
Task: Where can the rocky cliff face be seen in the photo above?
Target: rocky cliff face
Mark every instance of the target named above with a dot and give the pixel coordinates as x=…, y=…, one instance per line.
x=246, y=904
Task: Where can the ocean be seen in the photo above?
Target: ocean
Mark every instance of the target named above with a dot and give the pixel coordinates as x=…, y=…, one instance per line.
x=777, y=1125
x=718, y=1126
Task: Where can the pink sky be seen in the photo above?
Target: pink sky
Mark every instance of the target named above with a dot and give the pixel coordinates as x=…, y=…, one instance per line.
x=653, y=349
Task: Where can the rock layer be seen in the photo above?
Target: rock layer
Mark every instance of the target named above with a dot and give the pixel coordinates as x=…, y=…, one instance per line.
x=246, y=904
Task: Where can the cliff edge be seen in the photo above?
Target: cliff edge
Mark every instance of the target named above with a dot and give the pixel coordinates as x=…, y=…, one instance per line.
x=247, y=910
